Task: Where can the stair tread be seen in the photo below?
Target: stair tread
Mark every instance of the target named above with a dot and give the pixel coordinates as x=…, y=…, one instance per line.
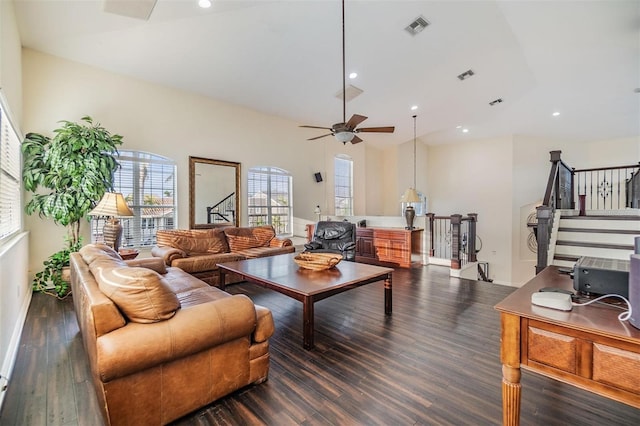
x=595, y=245
x=566, y=257
x=602, y=217
x=599, y=230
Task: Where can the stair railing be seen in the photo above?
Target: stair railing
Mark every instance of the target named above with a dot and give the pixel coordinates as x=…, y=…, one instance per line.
x=220, y=211
x=597, y=188
x=453, y=237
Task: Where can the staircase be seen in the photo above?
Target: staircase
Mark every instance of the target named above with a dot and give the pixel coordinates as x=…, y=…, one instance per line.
x=607, y=234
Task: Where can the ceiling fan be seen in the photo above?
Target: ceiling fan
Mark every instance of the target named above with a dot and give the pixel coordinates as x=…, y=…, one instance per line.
x=347, y=130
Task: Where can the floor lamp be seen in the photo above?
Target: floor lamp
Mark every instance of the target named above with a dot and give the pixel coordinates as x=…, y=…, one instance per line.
x=112, y=206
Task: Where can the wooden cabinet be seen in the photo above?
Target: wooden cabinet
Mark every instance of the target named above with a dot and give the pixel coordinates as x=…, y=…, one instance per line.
x=388, y=246
x=385, y=246
x=364, y=243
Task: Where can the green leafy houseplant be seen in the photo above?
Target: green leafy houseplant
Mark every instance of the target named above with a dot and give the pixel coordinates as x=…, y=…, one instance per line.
x=67, y=175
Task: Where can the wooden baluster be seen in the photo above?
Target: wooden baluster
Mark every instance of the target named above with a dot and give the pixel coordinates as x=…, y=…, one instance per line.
x=456, y=220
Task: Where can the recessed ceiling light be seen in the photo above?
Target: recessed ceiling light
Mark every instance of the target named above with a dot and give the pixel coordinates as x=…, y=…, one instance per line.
x=353, y=75
x=465, y=130
x=555, y=114
x=205, y=4
x=414, y=107
x=458, y=127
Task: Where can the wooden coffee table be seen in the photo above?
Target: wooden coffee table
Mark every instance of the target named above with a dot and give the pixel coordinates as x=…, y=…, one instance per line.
x=282, y=274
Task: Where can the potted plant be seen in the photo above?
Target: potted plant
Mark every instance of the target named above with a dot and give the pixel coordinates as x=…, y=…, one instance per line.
x=67, y=175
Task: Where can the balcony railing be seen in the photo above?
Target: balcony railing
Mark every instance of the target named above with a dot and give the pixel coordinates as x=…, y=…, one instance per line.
x=280, y=222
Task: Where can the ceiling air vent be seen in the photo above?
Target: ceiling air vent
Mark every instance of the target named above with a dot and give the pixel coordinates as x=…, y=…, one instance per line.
x=465, y=75
x=417, y=25
x=351, y=91
x=496, y=102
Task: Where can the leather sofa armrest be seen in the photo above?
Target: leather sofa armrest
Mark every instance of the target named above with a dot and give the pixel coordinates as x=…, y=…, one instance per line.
x=136, y=347
x=168, y=254
x=280, y=242
x=264, y=326
x=153, y=263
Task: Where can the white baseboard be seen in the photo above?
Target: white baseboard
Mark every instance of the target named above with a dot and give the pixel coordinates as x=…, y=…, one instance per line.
x=14, y=344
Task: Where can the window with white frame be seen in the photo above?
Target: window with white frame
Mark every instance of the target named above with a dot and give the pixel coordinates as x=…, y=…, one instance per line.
x=148, y=183
x=343, y=185
x=269, y=198
x=10, y=181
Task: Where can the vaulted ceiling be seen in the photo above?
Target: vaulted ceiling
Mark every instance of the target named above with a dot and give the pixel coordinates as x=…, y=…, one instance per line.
x=579, y=58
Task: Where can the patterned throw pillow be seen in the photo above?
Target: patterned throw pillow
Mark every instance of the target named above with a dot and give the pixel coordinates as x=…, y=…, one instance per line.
x=245, y=238
x=194, y=240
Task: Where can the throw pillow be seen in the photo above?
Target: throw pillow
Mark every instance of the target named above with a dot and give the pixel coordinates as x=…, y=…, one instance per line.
x=140, y=293
x=245, y=238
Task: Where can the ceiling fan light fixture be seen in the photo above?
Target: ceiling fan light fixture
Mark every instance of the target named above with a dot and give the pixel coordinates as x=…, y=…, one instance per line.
x=344, y=137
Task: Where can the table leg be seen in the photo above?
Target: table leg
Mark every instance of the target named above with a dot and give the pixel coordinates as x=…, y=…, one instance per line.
x=510, y=396
x=387, y=295
x=510, y=357
x=222, y=279
x=307, y=327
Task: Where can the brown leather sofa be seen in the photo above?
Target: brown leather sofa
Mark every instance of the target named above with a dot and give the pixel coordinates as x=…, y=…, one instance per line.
x=160, y=342
x=198, y=251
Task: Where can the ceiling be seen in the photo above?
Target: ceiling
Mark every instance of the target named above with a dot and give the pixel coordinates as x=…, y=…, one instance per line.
x=580, y=58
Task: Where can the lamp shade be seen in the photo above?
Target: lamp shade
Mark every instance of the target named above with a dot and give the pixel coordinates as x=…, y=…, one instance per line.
x=112, y=204
x=410, y=196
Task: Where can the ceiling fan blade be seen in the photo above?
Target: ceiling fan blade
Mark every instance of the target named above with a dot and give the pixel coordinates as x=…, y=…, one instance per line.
x=355, y=120
x=356, y=140
x=318, y=137
x=387, y=129
x=316, y=127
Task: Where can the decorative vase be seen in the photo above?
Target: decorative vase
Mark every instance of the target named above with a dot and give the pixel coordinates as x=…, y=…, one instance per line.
x=409, y=215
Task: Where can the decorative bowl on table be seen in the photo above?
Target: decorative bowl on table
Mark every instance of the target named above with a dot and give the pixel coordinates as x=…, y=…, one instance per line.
x=317, y=261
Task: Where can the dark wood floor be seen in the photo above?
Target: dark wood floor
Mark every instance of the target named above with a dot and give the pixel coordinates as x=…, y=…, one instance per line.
x=435, y=361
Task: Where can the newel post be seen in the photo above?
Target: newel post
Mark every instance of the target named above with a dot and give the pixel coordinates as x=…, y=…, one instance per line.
x=471, y=241
x=456, y=220
x=543, y=234
x=431, y=217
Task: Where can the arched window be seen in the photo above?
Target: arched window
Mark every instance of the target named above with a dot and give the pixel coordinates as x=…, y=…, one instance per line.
x=343, y=185
x=269, y=198
x=148, y=183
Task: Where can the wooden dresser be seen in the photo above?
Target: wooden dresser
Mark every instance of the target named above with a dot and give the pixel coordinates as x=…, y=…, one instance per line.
x=393, y=247
x=587, y=347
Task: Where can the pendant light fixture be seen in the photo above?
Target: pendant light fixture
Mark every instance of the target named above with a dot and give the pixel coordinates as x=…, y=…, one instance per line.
x=411, y=195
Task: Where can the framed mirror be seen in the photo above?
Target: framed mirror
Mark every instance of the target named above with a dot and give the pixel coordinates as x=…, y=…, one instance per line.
x=214, y=193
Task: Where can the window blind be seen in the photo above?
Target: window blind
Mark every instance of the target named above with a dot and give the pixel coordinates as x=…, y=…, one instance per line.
x=10, y=182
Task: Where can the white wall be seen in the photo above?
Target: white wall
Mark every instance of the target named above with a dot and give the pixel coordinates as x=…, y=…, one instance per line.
x=475, y=177
x=15, y=290
x=503, y=180
x=177, y=124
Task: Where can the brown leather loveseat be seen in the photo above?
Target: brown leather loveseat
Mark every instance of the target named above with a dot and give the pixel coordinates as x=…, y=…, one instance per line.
x=198, y=251
x=160, y=342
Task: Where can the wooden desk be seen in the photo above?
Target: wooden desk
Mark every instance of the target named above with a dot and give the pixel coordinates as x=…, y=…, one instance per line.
x=587, y=347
